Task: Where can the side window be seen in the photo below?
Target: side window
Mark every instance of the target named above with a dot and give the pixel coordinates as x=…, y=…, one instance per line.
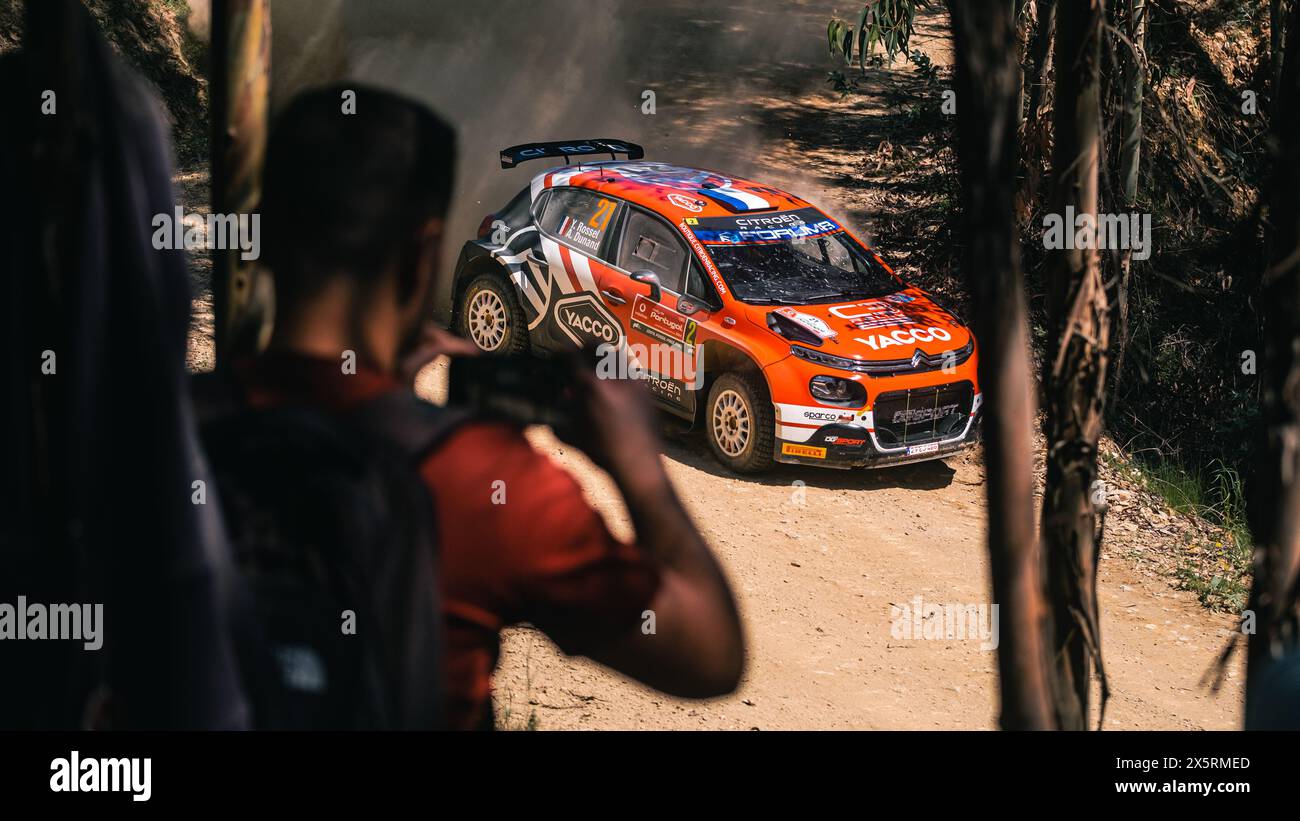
x=697, y=284
x=650, y=245
x=539, y=207
x=578, y=217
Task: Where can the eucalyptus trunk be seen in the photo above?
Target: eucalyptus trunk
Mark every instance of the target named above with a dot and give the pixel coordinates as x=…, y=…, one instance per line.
x=1275, y=501
x=987, y=80
x=1075, y=366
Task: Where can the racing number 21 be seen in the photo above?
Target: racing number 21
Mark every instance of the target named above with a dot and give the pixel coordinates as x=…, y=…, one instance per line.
x=604, y=210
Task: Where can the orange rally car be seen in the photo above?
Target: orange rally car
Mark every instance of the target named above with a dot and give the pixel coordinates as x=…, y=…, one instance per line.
x=749, y=311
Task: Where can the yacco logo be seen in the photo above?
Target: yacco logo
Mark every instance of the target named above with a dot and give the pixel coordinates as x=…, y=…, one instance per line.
x=583, y=320
x=683, y=201
x=904, y=336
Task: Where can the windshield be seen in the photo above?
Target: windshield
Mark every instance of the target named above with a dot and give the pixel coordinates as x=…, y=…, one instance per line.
x=793, y=258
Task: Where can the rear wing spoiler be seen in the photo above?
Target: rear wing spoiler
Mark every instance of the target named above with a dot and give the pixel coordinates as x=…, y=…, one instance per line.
x=515, y=154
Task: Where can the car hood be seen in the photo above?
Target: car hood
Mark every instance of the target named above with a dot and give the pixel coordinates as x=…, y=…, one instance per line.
x=881, y=328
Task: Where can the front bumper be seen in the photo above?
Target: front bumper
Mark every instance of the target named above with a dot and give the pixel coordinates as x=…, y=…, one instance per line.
x=852, y=442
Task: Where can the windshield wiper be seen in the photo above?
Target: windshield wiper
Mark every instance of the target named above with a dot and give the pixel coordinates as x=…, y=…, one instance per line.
x=869, y=294
x=827, y=295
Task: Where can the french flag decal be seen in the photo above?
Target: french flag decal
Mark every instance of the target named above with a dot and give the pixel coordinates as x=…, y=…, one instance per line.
x=734, y=199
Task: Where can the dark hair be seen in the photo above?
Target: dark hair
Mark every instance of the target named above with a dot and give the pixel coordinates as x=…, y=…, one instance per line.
x=343, y=193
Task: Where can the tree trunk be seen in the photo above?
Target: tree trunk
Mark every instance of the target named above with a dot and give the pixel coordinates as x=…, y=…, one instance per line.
x=1275, y=503
x=240, y=74
x=1130, y=157
x=987, y=80
x=1078, y=337
x=1041, y=59
x=1041, y=55
x=1130, y=154
x=1020, y=25
x=1275, y=48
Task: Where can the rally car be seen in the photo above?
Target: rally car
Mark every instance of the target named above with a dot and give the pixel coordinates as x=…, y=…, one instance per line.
x=752, y=314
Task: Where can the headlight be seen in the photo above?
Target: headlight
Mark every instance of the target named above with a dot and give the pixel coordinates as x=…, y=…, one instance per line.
x=836, y=391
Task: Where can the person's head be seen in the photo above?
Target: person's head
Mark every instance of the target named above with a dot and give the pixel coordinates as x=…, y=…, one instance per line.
x=354, y=195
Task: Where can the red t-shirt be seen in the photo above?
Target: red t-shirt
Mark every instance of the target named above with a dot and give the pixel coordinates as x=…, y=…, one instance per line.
x=543, y=557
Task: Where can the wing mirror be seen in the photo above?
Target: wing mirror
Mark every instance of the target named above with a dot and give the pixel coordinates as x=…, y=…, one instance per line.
x=651, y=279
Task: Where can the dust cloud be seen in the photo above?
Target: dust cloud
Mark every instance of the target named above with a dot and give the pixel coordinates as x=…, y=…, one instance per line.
x=512, y=71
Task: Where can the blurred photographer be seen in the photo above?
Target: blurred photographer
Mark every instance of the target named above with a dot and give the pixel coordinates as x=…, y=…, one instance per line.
x=354, y=209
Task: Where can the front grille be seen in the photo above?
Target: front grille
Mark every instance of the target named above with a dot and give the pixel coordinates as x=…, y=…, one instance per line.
x=922, y=415
x=919, y=362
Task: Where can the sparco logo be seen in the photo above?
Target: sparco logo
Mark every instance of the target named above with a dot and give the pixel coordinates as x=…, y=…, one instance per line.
x=584, y=320
x=924, y=414
x=821, y=417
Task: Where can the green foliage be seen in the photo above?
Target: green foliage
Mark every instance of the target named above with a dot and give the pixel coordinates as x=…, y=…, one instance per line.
x=925, y=66
x=884, y=24
x=841, y=83
x=1217, y=571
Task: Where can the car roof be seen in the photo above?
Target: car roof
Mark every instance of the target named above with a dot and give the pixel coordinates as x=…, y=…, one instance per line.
x=674, y=191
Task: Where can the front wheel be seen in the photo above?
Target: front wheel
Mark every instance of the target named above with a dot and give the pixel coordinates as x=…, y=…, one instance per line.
x=740, y=424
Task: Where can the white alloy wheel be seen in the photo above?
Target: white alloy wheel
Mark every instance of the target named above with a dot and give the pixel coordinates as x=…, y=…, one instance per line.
x=487, y=320
x=732, y=423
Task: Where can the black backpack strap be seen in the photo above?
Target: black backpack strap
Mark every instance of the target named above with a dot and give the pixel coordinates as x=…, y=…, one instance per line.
x=215, y=395
x=412, y=428
x=415, y=426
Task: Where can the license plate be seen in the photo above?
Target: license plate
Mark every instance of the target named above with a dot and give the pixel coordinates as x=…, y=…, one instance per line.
x=917, y=450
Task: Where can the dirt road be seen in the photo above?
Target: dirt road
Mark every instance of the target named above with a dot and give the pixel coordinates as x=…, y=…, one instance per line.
x=817, y=558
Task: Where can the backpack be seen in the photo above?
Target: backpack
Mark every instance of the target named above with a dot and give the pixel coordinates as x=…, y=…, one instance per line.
x=338, y=621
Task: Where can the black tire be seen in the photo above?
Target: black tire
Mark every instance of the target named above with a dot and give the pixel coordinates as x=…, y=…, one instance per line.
x=476, y=299
x=754, y=454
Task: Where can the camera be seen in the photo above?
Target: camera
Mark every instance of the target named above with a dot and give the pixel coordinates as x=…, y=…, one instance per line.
x=524, y=390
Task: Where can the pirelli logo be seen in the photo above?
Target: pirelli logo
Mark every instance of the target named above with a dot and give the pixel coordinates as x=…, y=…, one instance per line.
x=808, y=451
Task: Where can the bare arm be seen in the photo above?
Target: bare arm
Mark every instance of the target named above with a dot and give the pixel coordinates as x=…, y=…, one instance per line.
x=697, y=647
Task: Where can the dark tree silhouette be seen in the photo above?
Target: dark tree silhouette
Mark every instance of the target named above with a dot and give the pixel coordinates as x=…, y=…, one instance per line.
x=1075, y=367
x=988, y=93
x=1275, y=502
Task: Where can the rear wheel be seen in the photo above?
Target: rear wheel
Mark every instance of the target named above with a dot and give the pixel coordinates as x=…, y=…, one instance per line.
x=740, y=424
x=491, y=316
